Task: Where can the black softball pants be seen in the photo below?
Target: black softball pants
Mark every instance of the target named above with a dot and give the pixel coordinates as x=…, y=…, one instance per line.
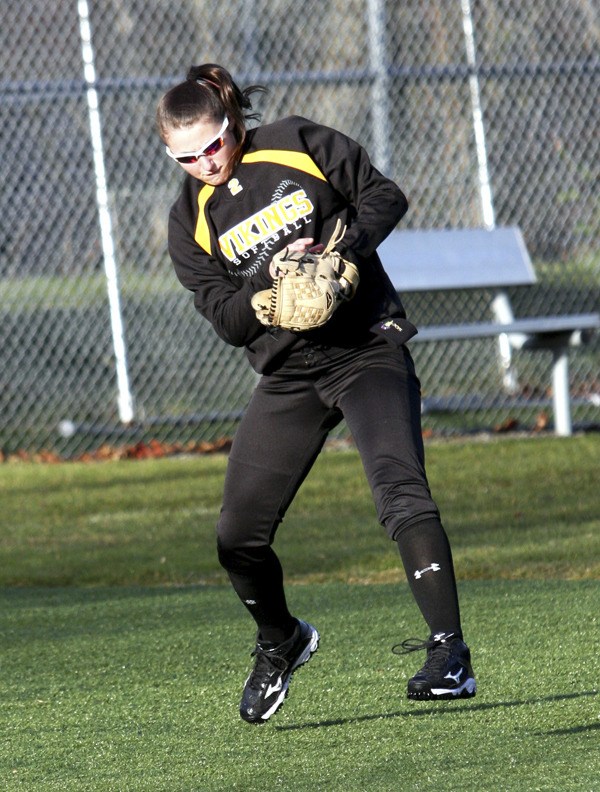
x=375, y=389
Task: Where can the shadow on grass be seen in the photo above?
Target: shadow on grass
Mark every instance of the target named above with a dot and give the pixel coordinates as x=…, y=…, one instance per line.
x=565, y=732
x=443, y=709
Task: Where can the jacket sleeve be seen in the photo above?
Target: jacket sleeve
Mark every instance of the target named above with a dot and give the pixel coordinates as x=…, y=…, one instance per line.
x=377, y=202
x=225, y=303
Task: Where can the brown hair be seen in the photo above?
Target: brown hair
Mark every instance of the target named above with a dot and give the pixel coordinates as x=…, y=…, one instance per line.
x=208, y=92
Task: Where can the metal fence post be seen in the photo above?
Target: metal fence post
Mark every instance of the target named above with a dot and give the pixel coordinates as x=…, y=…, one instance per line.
x=485, y=189
x=509, y=375
x=125, y=400
x=380, y=89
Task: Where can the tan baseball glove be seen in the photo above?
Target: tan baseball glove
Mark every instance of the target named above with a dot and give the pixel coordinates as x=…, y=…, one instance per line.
x=308, y=287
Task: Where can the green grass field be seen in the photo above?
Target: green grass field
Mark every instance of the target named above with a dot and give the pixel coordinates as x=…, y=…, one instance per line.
x=123, y=653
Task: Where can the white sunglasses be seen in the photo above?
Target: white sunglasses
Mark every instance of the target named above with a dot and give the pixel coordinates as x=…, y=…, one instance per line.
x=208, y=149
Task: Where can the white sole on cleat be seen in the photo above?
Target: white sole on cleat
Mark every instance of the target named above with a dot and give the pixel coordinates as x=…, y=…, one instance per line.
x=468, y=688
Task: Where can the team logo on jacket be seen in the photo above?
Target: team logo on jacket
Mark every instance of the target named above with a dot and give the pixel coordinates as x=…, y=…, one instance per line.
x=250, y=241
x=234, y=186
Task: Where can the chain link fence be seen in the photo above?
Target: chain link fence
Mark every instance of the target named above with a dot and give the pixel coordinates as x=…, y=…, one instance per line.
x=99, y=341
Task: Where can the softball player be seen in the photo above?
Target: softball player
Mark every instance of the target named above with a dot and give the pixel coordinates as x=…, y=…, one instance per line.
x=247, y=194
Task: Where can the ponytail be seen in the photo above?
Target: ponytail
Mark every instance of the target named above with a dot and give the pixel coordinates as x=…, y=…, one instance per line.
x=209, y=90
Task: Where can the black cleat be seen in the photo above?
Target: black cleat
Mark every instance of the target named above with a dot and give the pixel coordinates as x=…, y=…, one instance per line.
x=267, y=686
x=447, y=672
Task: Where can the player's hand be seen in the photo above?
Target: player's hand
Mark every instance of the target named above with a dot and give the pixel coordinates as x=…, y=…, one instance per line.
x=303, y=245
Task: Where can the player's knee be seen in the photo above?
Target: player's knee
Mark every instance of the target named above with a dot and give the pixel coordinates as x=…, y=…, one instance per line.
x=240, y=544
x=240, y=558
x=401, y=512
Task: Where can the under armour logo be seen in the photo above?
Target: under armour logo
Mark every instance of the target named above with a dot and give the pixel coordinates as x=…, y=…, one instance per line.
x=431, y=568
x=442, y=636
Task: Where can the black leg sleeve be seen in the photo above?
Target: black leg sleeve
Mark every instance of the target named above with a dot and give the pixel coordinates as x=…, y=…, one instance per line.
x=427, y=559
x=258, y=582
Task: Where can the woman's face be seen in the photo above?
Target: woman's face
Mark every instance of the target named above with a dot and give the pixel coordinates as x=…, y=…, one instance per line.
x=212, y=167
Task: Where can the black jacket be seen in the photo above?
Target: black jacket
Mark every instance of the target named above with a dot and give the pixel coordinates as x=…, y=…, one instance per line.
x=295, y=179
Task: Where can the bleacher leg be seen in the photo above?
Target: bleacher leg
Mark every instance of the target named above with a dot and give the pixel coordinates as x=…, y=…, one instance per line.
x=560, y=388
